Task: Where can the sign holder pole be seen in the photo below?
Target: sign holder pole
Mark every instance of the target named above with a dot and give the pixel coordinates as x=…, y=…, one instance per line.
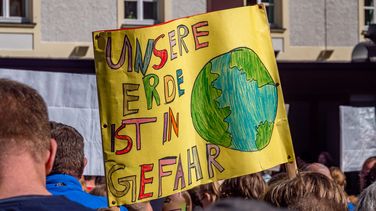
x=292, y=169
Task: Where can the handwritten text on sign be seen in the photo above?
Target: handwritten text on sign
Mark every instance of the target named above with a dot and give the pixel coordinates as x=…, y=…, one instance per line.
x=188, y=102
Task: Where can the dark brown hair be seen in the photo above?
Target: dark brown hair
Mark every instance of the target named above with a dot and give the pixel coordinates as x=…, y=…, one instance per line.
x=70, y=156
x=23, y=120
x=370, y=177
x=250, y=186
x=99, y=190
x=288, y=192
x=365, y=171
x=198, y=193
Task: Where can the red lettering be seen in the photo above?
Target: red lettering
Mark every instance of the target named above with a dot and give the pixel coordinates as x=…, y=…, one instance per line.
x=143, y=181
x=162, y=54
x=123, y=137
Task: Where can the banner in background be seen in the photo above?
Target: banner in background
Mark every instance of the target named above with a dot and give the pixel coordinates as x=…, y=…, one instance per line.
x=71, y=99
x=189, y=102
x=358, y=136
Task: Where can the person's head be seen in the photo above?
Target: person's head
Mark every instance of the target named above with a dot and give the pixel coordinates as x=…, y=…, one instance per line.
x=70, y=158
x=319, y=168
x=370, y=177
x=286, y=193
x=178, y=201
x=240, y=204
x=366, y=167
x=100, y=180
x=24, y=127
x=338, y=176
x=250, y=186
x=326, y=159
x=204, y=195
x=313, y=203
x=141, y=206
x=99, y=190
x=367, y=199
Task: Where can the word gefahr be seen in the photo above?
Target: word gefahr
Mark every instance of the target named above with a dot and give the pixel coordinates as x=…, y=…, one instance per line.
x=166, y=167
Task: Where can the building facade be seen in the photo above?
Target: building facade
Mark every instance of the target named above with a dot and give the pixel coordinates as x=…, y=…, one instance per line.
x=301, y=29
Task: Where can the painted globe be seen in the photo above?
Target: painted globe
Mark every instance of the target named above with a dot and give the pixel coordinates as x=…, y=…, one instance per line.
x=234, y=101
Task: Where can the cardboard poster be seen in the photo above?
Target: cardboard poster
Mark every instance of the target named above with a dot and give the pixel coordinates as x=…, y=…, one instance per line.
x=189, y=102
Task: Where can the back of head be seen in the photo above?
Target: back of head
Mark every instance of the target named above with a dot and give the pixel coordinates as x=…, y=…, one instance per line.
x=204, y=195
x=367, y=199
x=320, y=168
x=178, y=201
x=312, y=203
x=24, y=124
x=250, y=186
x=288, y=192
x=239, y=204
x=70, y=158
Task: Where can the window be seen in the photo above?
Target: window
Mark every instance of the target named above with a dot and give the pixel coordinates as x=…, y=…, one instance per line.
x=14, y=11
x=369, y=12
x=269, y=4
x=273, y=10
x=140, y=12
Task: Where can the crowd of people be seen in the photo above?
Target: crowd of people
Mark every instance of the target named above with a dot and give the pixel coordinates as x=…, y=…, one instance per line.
x=42, y=164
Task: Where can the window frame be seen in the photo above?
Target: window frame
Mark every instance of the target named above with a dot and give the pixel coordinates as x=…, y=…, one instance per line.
x=6, y=18
x=364, y=13
x=277, y=21
x=268, y=4
x=140, y=14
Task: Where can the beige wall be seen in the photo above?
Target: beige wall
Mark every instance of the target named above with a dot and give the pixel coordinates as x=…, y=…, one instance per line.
x=297, y=25
x=51, y=46
x=50, y=49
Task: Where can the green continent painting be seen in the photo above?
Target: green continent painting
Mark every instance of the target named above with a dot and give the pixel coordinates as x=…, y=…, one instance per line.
x=234, y=101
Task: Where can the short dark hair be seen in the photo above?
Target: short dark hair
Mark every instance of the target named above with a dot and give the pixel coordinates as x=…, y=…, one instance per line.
x=23, y=120
x=70, y=157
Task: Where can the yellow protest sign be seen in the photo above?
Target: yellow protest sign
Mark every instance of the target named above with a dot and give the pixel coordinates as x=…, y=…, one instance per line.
x=189, y=102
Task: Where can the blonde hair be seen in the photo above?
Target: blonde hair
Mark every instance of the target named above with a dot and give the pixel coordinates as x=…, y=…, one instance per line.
x=338, y=176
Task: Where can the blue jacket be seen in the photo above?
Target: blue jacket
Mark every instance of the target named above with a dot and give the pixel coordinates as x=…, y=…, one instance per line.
x=70, y=187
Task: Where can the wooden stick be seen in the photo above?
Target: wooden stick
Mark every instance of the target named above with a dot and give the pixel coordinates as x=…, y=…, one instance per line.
x=291, y=169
